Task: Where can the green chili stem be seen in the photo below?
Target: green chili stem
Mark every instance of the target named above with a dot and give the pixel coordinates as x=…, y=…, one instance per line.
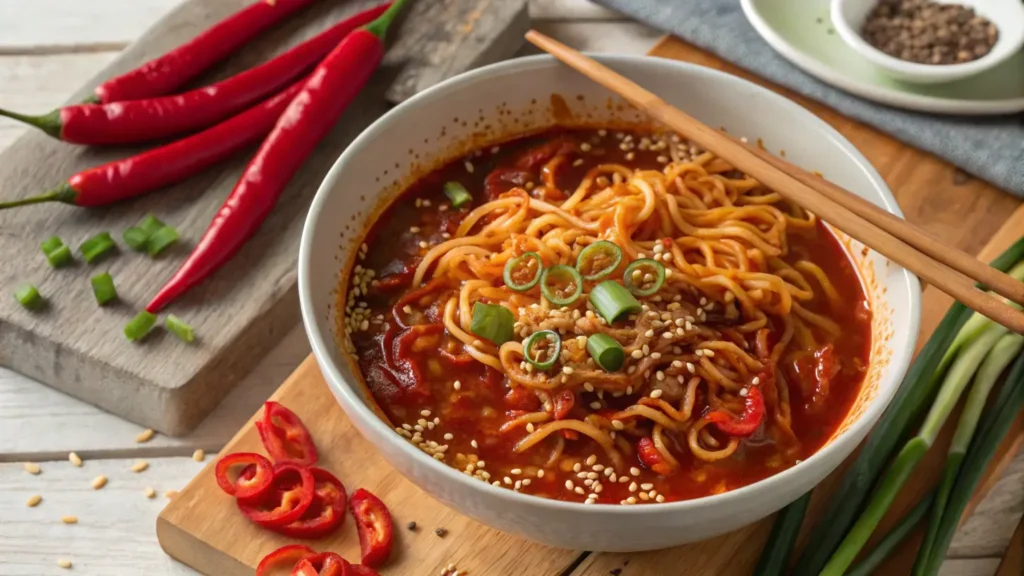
x=379, y=27
x=49, y=122
x=63, y=193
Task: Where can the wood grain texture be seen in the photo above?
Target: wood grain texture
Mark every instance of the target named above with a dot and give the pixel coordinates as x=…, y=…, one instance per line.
x=239, y=313
x=114, y=523
x=442, y=38
x=963, y=212
x=1012, y=563
x=232, y=546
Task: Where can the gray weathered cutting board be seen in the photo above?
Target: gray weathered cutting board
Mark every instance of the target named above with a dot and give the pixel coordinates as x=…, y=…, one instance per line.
x=244, y=309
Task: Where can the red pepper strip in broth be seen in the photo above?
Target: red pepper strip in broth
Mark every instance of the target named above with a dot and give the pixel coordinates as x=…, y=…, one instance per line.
x=133, y=121
x=165, y=74
x=748, y=422
x=331, y=88
x=168, y=164
x=651, y=457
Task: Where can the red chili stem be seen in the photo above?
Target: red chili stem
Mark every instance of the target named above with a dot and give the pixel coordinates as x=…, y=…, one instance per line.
x=166, y=73
x=331, y=88
x=166, y=165
x=136, y=121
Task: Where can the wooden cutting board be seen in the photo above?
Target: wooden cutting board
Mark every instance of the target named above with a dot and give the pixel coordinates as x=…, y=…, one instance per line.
x=244, y=308
x=202, y=528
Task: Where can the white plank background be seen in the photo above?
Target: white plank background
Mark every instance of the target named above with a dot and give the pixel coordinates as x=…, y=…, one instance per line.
x=47, y=49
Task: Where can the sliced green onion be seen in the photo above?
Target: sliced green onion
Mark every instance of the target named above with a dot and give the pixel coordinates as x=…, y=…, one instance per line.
x=561, y=285
x=60, y=257
x=139, y=326
x=598, y=260
x=644, y=277
x=29, y=297
x=161, y=240
x=779, y=546
x=613, y=301
x=608, y=353
x=179, y=328
x=50, y=244
x=150, y=224
x=103, y=288
x=96, y=247
x=492, y=322
x=136, y=238
x=457, y=193
x=524, y=272
x=543, y=349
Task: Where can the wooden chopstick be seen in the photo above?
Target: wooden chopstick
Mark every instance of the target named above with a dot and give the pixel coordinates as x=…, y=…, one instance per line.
x=779, y=176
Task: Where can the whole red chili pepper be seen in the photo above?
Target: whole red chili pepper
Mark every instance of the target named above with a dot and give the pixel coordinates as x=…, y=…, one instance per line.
x=167, y=73
x=146, y=120
x=330, y=89
x=130, y=177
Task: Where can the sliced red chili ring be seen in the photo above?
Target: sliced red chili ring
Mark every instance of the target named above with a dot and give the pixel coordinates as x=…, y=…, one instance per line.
x=285, y=437
x=373, y=523
x=523, y=272
x=252, y=481
x=287, y=499
x=598, y=260
x=746, y=424
x=543, y=349
x=644, y=277
x=283, y=560
x=323, y=564
x=360, y=570
x=327, y=511
x=561, y=285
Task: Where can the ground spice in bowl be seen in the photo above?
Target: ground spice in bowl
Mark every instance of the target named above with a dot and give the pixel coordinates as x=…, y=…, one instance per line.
x=929, y=32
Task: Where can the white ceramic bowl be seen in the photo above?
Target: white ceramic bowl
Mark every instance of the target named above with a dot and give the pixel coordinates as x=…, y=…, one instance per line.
x=496, y=102
x=1008, y=15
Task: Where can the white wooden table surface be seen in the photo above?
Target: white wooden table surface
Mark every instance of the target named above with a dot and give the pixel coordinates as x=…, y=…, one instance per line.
x=47, y=49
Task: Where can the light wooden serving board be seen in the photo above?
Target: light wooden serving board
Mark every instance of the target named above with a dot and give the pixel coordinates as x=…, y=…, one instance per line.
x=202, y=528
x=247, y=306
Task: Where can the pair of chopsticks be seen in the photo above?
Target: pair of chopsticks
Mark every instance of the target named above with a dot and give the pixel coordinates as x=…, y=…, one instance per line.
x=947, y=268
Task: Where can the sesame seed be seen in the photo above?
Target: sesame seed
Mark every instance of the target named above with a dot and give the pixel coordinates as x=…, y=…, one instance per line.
x=756, y=380
x=149, y=492
x=518, y=485
x=568, y=485
x=171, y=494
x=469, y=166
x=691, y=368
x=634, y=471
x=199, y=455
x=644, y=496
x=457, y=385
x=595, y=405
x=449, y=436
x=709, y=353
x=657, y=393
x=530, y=427
x=34, y=501
x=632, y=486
x=577, y=467
x=32, y=468
x=75, y=459
x=69, y=519
x=475, y=445
x=540, y=473
x=99, y=482
x=588, y=386
x=593, y=475
x=638, y=354
x=585, y=147
x=618, y=425
x=579, y=490
x=659, y=498
x=631, y=500
x=64, y=563
x=507, y=480
x=661, y=378
x=516, y=471
x=646, y=486
x=145, y=436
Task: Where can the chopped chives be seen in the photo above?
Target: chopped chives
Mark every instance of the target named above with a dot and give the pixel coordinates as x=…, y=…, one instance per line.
x=139, y=326
x=28, y=297
x=103, y=288
x=50, y=244
x=136, y=238
x=150, y=224
x=97, y=246
x=457, y=193
x=161, y=240
x=59, y=257
x=179, y=328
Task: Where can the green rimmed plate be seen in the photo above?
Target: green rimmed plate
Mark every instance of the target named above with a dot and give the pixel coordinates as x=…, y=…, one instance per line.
x=801, y=31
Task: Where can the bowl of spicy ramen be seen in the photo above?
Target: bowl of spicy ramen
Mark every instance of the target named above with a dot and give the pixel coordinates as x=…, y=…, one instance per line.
x=573, y=325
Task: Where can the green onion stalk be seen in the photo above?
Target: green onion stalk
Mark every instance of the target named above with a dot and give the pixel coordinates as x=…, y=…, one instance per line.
x=910, y=401
x=893, y=539
x=997, y=421
x=779, y=546
x=956, y=381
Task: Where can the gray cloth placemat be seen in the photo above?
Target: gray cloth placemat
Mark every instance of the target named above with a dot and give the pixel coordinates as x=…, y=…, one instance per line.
x=991, y=148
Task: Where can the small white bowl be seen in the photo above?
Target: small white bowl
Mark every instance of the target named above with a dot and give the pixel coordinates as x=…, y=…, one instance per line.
x=848, y=18
x=492, y=104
